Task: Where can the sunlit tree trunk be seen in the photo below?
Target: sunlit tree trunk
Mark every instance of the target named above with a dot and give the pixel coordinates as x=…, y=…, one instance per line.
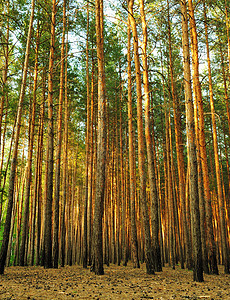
x=118, y=186
x=65, y=168
x=187, y=77
x=134, y=245
x=202, y=143
x=122, y=181
x=101, y=145
x=59, y=143
x=91, y=146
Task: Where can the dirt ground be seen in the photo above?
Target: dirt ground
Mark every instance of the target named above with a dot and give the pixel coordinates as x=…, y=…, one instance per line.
x=117, y=283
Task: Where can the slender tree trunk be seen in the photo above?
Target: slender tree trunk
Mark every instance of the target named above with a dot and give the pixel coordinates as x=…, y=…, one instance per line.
x=59, y=143
x=134, y=244
x=89, y=230
x=5, y=241
x=40, y=158
x=65, y=169
x=70, y=223
x=123, y=198
x=118, y=189
x=85, y=245
x=170, y=190
x=49, y=200
x=101, y=145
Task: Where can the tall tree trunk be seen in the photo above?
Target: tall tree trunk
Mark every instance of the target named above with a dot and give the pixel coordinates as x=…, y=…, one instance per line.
x=169, y=190
x=89, y=230
x=122, y=180
x=65, y=168
x=101, y=145
x=149, y=144
x=134, y=244
x=179, y=145
x=5, y=241
x=149, y=255
x=40, y=158
x=85, y=245
x=203, y=224
x=49, y=199
x=59, y=143
x=202, y=143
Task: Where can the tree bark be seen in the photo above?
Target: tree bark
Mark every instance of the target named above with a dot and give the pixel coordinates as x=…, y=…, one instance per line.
x=49, y=199
x=85, y=244
x=202, y=143
x=101, y=145
x=134, y=244
x=59, y=143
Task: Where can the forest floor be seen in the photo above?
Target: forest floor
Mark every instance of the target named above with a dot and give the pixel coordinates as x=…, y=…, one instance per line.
x=117, y=283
